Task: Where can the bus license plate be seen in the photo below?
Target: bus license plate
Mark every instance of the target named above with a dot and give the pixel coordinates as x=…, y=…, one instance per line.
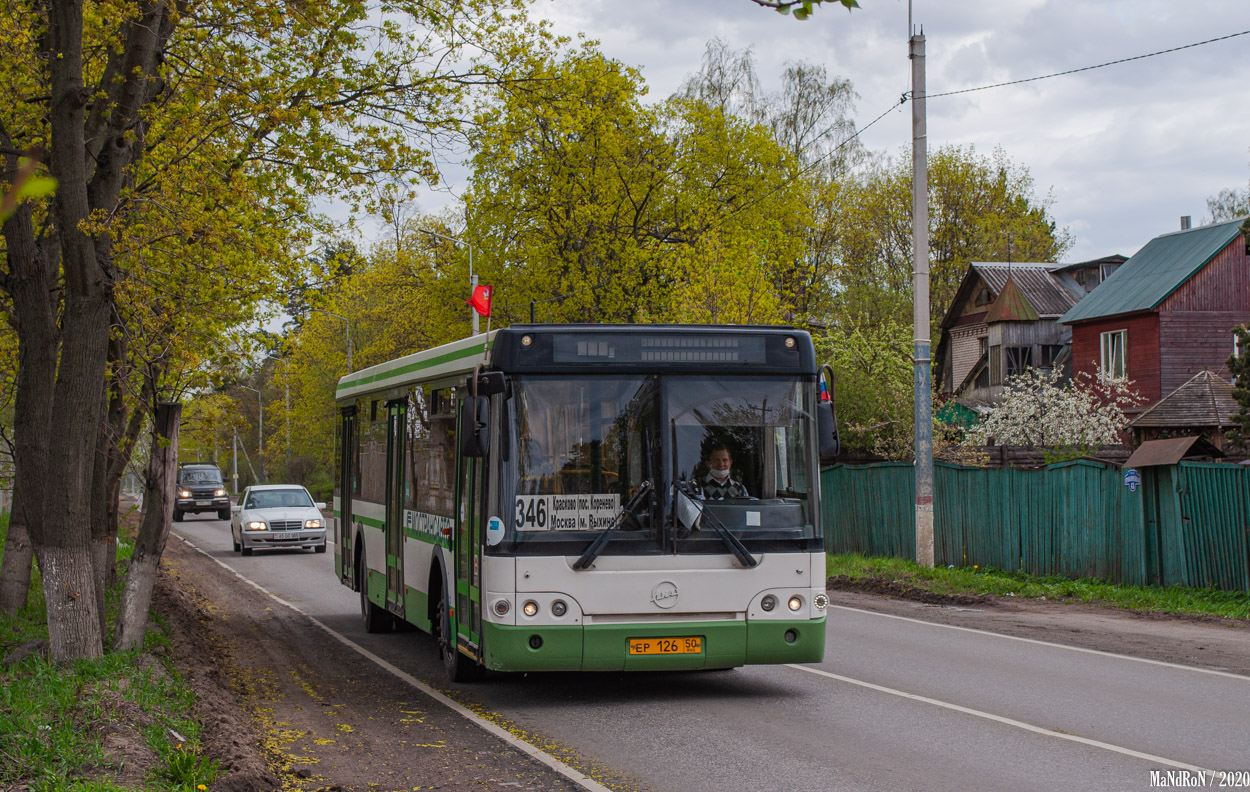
x=281, y=536
x=663, y=646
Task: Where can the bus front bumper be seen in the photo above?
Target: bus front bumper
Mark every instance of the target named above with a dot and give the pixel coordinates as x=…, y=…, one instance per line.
x=606, y=647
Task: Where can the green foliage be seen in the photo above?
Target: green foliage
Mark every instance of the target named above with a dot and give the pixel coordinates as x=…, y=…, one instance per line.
x=801, y=9
x=598, y=208
x=874, y=385
x=982, y=580
x=980, y=209
x=1239, y=367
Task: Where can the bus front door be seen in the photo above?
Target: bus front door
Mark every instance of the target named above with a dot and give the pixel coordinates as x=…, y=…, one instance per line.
x=347, y=473
x=467, y=549
x=395, y=419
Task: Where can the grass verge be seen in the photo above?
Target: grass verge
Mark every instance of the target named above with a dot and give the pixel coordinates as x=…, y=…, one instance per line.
x=120, y=722
x=995, y=582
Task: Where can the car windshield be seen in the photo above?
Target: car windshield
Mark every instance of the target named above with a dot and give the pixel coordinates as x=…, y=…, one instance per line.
x=201, y=476
x=278, y=499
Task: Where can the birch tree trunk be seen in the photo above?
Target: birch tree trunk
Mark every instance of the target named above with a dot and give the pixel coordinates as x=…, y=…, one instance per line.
x=132, y=617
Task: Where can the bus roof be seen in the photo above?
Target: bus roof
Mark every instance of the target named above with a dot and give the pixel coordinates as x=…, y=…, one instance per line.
x=572, y=348
x=457, y=357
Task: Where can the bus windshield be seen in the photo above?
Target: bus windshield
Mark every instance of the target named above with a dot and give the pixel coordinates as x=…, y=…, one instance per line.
x=739, y=447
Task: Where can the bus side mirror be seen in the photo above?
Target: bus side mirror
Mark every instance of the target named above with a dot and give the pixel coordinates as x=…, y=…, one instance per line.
x=827, y=426
x=475, y=426
x=830, y=444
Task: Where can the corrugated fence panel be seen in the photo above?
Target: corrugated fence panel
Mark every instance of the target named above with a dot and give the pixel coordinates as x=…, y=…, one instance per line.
x=1075, y=519
x=1214, y=517
x=869, y=509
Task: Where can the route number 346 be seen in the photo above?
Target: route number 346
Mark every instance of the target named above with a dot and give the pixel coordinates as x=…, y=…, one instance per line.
x=531, y=513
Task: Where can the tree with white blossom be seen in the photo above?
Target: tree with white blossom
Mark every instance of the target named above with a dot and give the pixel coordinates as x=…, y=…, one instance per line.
x=1038, y=408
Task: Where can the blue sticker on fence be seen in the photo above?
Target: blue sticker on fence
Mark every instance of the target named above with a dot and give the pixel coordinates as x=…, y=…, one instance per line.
x=1132, y=479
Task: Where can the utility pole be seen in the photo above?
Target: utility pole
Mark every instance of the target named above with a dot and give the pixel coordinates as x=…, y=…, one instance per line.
x=472, y=277
x=923, y=407
x=260, y=435
x=287, y=406
x=349, y=334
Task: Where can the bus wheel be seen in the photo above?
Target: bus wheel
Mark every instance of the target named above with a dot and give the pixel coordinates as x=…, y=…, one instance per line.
x=376, y=619
x=459, y=667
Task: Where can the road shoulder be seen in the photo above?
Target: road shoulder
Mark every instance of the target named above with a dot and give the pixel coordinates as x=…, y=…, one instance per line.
x=1214, y=644
x=285, y=706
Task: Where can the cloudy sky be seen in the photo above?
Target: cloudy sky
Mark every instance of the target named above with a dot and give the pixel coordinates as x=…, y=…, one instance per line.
x=1126, y=149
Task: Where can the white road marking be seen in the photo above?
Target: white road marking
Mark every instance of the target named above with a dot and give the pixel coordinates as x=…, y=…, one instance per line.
x=991, y=633
x=547, y=759
x=1007, y=721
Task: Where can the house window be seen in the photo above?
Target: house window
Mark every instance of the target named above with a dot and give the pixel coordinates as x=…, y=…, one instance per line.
x=996, y=365
x=1105, y=270
x=1050, y=352
x=1113, y=353
x=983, y=296
x=1018, y=359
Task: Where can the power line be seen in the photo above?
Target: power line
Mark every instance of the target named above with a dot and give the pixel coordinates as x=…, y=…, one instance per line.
x=1088, y=68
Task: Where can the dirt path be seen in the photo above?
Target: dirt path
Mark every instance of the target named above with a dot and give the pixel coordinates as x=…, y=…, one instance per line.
x=285, y=707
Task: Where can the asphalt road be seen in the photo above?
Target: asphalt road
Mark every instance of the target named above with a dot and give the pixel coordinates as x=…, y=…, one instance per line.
x=897, y=704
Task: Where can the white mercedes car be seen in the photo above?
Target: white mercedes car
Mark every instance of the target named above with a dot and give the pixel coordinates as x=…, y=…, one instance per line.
x=270, y=516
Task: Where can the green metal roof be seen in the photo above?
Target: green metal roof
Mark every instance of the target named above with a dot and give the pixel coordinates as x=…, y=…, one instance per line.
x=1155, y=271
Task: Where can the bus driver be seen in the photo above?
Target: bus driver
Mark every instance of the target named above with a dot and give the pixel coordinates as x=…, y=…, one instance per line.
x=718, y=485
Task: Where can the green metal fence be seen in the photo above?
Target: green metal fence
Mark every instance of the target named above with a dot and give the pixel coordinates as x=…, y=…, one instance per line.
x=1186, y=524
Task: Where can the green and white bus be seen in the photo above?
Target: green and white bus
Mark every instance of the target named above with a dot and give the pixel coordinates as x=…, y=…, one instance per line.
x=535, y=497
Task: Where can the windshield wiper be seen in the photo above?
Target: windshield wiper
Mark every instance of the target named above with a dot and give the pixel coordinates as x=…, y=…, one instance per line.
x=734, y=544
x=601, y=541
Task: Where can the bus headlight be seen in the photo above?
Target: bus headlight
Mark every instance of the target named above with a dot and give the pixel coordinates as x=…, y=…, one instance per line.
x=502, y=607
x=795, y=603
x=821, y=601
x=768, y=603
x=530, y=608
x=558, y=608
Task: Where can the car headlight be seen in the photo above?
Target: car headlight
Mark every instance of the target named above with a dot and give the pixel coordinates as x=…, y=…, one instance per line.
x=256, y=525
x=312, y=523
x=184, y=493
x=219, y=493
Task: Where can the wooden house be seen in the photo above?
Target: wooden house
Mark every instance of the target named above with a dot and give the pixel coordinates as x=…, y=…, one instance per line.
x=1003, y=320
x=1168, y=312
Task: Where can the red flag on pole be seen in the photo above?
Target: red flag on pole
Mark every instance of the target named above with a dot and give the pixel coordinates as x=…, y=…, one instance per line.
x=480, y=301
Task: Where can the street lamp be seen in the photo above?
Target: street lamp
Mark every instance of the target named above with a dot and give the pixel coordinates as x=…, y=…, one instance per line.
x=287, y=405
x=349, y=334
x=260, y=434
x=472, y=277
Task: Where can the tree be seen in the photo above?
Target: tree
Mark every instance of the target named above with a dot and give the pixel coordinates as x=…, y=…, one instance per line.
x=174, y=128
x=598, y=208
x=980, y=209
x=1039, y=408
x=802, y=8
x=1239, y=366
x=1228, y=205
